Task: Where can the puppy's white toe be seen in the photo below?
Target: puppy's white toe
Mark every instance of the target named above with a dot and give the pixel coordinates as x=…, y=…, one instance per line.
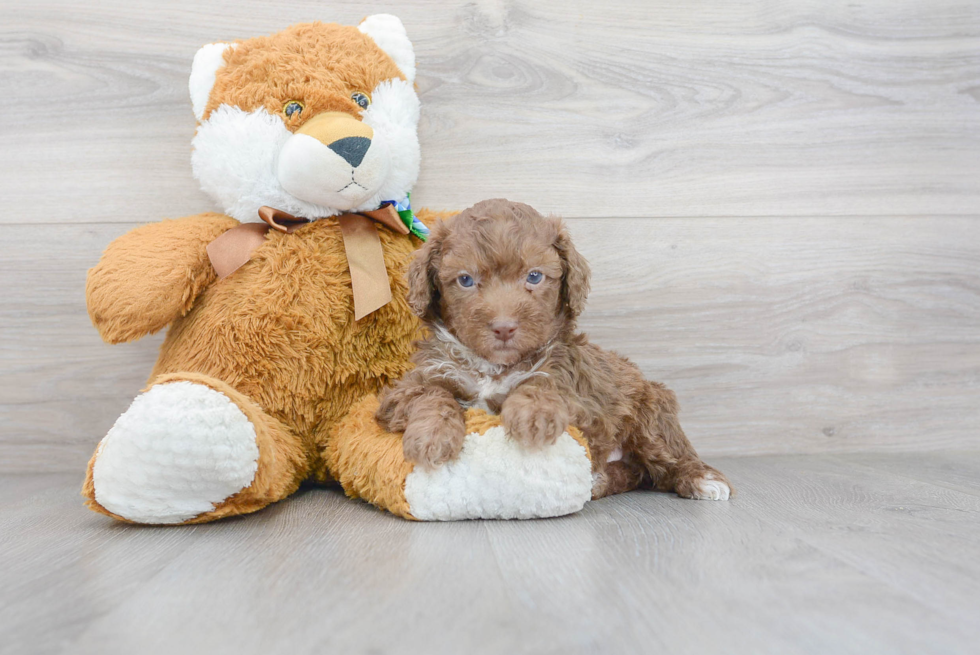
x=710, y=488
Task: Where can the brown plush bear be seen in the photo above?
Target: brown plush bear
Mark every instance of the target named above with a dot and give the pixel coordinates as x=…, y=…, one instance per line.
x=287, y=312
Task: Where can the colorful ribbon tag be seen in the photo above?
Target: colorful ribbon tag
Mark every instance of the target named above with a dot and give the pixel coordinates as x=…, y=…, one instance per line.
x=404, y=209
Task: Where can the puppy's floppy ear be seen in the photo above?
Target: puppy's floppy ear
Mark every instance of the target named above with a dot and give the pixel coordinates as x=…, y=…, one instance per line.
x=423, y=294
x=575, y=272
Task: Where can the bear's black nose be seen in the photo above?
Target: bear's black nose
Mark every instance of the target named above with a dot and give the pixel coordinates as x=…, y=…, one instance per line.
x=351, y=148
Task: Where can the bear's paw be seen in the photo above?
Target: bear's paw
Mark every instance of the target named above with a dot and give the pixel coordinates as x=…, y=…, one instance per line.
x=179, y=450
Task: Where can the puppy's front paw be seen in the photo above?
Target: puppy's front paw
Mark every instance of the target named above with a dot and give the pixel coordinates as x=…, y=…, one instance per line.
x=432, y=442
x=533, y=421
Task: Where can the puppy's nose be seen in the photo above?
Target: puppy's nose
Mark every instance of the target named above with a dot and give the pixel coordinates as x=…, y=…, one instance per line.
x=504, y=330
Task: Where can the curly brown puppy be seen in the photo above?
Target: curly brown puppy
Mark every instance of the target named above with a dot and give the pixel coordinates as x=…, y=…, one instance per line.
x=500, y=288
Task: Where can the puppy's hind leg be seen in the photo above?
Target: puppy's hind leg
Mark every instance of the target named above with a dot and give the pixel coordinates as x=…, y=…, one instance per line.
x=670, y=459
x=701, y=482
x=616, y=478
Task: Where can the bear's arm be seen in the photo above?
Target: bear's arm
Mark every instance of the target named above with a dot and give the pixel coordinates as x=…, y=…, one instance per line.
x=151, y=275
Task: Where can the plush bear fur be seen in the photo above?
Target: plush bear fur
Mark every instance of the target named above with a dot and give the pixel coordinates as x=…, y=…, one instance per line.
x=259, y=368
x=291, y=357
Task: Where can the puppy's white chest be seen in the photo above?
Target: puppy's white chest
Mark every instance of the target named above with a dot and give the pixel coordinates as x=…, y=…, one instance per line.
x=486, y=389
x=481, y=384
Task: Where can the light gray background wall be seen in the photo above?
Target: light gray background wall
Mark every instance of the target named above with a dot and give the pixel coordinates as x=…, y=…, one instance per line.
x=780, y=200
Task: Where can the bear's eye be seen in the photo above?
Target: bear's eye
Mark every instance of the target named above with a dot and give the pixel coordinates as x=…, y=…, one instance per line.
x=292, y=107
x=465, y=280
x=361, y=99
x=535, y=277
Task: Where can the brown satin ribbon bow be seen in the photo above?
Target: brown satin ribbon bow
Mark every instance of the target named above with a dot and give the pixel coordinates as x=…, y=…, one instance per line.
x=368, y=275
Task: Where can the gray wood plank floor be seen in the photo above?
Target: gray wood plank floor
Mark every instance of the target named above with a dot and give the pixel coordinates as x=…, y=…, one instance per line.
x=858, y=553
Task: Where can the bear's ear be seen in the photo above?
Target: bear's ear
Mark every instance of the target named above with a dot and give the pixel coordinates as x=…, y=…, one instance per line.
x=207, y=62
x=390, y=35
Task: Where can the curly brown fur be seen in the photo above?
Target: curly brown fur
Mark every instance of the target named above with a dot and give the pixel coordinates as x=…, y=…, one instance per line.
x=508, y=343
x=432, y=421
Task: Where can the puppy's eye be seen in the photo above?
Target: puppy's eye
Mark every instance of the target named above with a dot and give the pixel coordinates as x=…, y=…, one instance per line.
x=362, y=99
x=465, y=280
x=535, y=277
x=292, y=107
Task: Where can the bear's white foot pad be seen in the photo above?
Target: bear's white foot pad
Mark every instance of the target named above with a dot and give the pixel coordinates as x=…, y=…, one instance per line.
x=710, y=488
x=179, y=450
x=495, y=478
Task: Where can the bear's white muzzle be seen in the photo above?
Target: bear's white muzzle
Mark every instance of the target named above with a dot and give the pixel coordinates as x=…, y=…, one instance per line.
x=333, y=160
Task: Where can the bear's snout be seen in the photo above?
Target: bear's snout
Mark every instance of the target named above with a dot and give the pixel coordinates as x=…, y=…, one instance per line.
x=333, y=160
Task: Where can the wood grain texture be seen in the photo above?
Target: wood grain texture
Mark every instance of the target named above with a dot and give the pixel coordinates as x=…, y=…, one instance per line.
x=809, y=335
x=61, y=388
x=817, y=554
x=780, y=204
x=946, y=469
x=801, y=336
x=845, y=319
x=593, y=109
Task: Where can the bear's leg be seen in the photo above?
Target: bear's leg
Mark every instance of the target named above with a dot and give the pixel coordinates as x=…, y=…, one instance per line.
x=191, y=449
x=493, y=477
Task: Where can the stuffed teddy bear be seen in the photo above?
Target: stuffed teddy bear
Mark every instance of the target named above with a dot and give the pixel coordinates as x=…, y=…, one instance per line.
x=287, y=312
